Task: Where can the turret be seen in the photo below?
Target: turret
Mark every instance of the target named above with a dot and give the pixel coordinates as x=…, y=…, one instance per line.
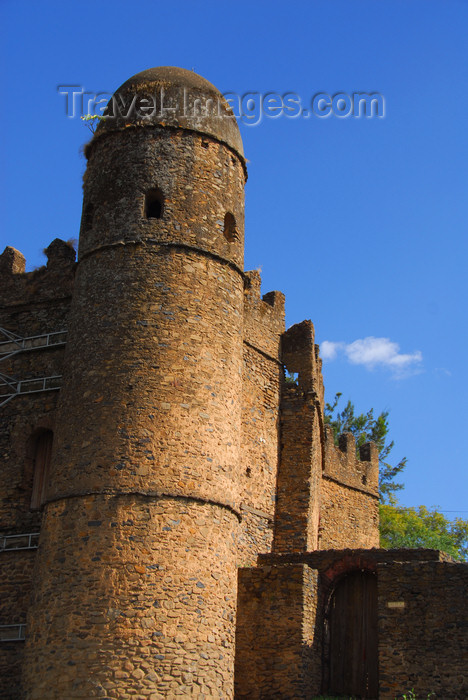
x=142, y=507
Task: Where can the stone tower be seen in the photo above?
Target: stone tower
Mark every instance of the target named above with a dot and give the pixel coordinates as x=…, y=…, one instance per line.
x=142, y=512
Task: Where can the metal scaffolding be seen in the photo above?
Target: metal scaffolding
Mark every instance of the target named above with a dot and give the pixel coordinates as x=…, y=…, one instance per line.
x=12, y=633
x=14, y=344
x=9, y=543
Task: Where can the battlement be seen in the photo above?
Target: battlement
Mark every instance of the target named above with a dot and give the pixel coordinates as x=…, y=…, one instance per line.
x=301, y=356
x=263, y=315
x=12, y=261
x=342, y=464
x=51, y=281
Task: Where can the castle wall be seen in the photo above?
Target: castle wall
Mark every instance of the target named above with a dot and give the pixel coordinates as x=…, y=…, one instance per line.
x=420, y=619
x=326, y=497
x=423, y=629
x=275, y=633
x=261, y=386
x=298, y=488
x=31, y=305
x=349, y=512
x=154, y=365
x=16, y=568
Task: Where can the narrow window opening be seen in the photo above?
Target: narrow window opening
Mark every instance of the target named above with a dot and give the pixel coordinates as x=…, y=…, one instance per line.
x=154, y=204
x=292, y=378
x=41, y=460
x=230, y=229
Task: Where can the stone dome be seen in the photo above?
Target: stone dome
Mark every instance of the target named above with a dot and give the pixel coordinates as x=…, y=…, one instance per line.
x=173, y=97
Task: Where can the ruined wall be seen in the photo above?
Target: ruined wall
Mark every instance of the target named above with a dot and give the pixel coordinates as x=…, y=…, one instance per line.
x=349, y=512
x=298, y=489
x=261, y=388
x=326, y=497
x=423, y=629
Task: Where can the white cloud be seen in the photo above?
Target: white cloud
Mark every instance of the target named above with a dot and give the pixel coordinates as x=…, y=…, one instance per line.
x=374, y=352
x=329, y=350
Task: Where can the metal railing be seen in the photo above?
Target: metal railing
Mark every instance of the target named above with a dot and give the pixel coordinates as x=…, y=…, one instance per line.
x=12, y=633
x=15, y=343
x=10, y=387
x=29, y=540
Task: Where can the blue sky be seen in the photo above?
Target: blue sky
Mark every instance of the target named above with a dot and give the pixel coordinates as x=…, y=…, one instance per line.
x=362, y=223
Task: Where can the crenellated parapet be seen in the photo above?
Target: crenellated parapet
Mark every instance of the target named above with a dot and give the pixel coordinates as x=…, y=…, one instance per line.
x=342, y=464
x=263, y=316
x=262, y=378
x=300, y=356
x=51, y=281
x=349, y=511
x=12, y=262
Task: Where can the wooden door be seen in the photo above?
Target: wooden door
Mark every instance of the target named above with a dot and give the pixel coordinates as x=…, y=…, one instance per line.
x=353, y=650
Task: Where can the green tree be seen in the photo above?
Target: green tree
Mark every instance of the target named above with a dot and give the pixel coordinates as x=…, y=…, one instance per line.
x=421, y=527
x=366, y=428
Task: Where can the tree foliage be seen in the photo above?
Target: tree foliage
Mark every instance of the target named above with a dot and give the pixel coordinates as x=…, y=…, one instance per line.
x=92, y=121
x=366, y=428
x=421, y=527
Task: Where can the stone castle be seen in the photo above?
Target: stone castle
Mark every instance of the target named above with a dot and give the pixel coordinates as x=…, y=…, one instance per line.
x=175, y=518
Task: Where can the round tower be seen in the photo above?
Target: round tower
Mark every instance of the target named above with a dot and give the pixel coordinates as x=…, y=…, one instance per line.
x=135, y=587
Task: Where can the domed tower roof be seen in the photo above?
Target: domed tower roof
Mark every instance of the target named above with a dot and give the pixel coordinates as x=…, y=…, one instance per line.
x=173, y=97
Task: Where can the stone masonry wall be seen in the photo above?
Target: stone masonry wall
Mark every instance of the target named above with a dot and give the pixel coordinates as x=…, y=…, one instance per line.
x=275, y=628
x=16, y=569
x=349, y=512
x=31, y=304
x=423, y=629
x=326, y=497
x=261, y=387
x=423, y=645
x=298, y=505
x=199, y=177
x=149, y=620
x=153, y=365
